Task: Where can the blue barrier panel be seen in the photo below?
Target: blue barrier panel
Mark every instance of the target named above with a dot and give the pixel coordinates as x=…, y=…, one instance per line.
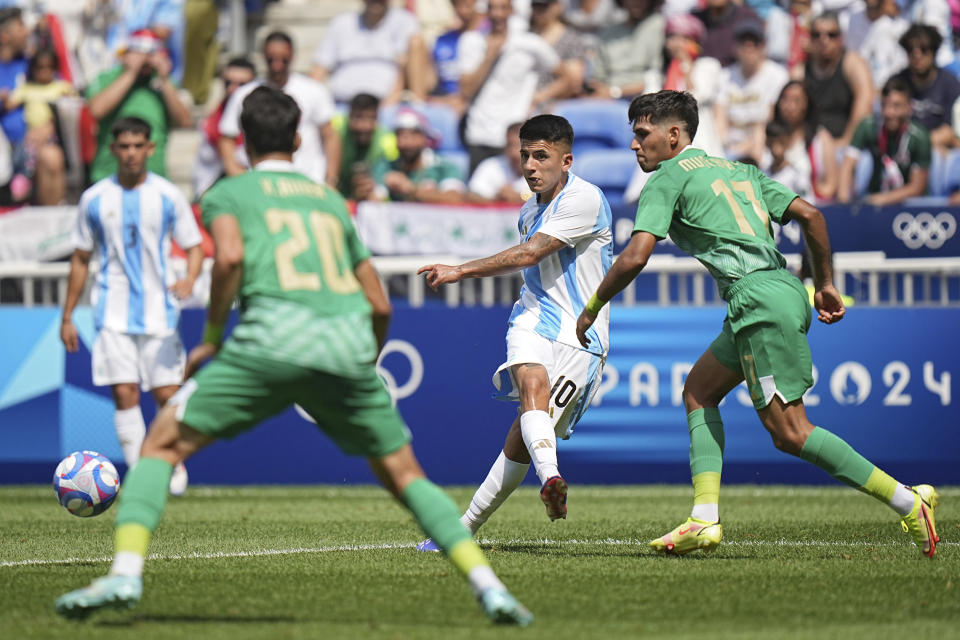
x=910, y=231
x=884, y=382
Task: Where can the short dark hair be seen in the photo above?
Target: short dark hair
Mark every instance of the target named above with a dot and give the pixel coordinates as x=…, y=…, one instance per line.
x=776, y=129
x=830, y=15
x=131, y=124
x=666, y=105
x=895, y=84
x=364, y=102
x=547, y=127
x=923, y=33
x=10, y=13
x=269, y=120
x=241, y=63
x=278, y=36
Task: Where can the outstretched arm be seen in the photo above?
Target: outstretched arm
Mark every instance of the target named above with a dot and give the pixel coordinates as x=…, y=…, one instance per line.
x=826, y=299
x=626, y=267
x=513, y=259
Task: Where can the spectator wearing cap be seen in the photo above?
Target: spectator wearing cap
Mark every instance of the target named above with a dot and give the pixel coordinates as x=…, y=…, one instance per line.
x=379, y=51
x=749, y=89
x=418, y=174
x=839, y=80
x=630, y=55
x=498, y=78
x=365, y=144
x=934, y=92
x=900, y=148
x=140, y=87
x=720, y=17
x=318, y=155
x=690, y=70
x=164, y=18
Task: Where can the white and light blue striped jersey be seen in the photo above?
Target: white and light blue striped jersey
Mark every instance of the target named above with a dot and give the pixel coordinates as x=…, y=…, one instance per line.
x=557, y=288
x=129, y=232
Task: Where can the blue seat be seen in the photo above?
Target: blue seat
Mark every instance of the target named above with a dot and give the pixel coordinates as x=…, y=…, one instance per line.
x=443, y=119
x=937, y=177
x=609, y=169
x=596, y=123
x=862, y=174
x=951, y=173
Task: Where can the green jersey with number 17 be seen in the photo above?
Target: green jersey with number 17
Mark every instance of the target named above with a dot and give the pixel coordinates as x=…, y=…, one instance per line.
x=300, y=301
x=716, y=210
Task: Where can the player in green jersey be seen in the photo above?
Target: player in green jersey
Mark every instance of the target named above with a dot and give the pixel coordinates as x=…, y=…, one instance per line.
x=719, y=212
x=313, y=319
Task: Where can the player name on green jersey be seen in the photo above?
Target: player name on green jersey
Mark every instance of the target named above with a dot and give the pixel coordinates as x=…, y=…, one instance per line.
x=300, y=301
x=716, y=210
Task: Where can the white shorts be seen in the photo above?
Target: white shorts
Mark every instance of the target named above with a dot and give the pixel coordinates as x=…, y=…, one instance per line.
x=574, y=376
x=153, y=361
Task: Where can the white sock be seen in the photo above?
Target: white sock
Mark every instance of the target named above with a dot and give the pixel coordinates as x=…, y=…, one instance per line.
x=131, y=431
x=503, y=478
x=902, y=500
x=127, y=563
x=709, y=512
x=541, y=442
x=482, y=578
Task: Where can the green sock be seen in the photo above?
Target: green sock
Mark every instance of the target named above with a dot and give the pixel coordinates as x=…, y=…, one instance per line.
x=839, y=459
x=436, y=513
x=143, y=495
x=706, y=441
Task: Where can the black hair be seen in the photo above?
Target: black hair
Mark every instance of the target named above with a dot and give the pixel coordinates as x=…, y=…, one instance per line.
x=776, y=129
x=35, y=60
x=923, y=33
x=549, y=128
x=278, y=36
x=830, y=15
x=364, y=102
x=241, y=63
x=131, y=124
x=269, y=120
x=895, y=84
x=666, y=105
x=811, y=120
x=10, y=13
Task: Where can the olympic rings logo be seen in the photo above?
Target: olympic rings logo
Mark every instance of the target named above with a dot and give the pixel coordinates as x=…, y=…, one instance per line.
x=396, y=391
x=924, y=230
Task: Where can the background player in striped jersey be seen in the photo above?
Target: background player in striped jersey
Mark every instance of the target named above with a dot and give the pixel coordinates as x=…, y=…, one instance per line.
x=128, y=220
x=313, y=318
x=566, y=250
x=719, y=212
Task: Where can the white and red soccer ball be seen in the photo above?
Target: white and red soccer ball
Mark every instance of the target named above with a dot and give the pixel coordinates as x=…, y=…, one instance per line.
x=86, y=483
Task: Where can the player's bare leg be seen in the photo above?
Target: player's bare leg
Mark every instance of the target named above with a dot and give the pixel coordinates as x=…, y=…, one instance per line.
x=403, y=477
x=793, y=433
x=143, y=497
x=179, y=479
x=706, y=385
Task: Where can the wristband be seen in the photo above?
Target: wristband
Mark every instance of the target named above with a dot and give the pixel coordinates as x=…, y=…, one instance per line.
x=213, y=334
x=594, y=305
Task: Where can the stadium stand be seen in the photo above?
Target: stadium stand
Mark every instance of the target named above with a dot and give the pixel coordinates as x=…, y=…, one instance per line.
x=609, y=169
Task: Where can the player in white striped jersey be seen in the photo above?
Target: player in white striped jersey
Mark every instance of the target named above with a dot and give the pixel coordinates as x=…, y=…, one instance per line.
x=127, y=220
x=566, y=249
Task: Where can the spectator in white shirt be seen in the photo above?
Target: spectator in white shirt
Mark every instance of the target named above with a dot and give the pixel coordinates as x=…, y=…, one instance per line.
x=500, y=178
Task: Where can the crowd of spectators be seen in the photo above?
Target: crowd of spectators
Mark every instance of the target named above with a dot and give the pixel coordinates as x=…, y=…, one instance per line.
x=807, y=90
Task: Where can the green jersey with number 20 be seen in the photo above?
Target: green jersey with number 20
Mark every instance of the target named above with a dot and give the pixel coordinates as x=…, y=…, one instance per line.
x=300, y=301
x=716, y=210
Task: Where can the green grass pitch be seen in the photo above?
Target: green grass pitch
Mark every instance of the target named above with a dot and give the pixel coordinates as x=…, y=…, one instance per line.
x=338, y=562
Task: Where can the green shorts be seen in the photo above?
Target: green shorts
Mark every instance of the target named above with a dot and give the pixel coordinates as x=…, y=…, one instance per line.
x=233, y=394
x=765, y=336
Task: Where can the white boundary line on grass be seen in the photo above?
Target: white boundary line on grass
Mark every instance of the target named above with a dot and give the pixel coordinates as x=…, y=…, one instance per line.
x=609, y=542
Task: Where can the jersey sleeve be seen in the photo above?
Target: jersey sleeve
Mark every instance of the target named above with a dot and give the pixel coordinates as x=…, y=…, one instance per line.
x=575, y=217
x=185, y=229
x=216, y=202
x=776, y=197
x=82, y=235
x=862, y=134
x=922, y=154
x=658, y=200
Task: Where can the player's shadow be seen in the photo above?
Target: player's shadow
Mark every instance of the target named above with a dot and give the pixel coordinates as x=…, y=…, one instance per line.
x=216, y=619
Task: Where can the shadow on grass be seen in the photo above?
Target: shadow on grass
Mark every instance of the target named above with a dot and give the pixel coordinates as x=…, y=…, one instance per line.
x=612, y=552
x=216, y=619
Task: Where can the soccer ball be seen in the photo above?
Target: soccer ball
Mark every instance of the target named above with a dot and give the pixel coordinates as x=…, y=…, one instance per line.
x=86, y=483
